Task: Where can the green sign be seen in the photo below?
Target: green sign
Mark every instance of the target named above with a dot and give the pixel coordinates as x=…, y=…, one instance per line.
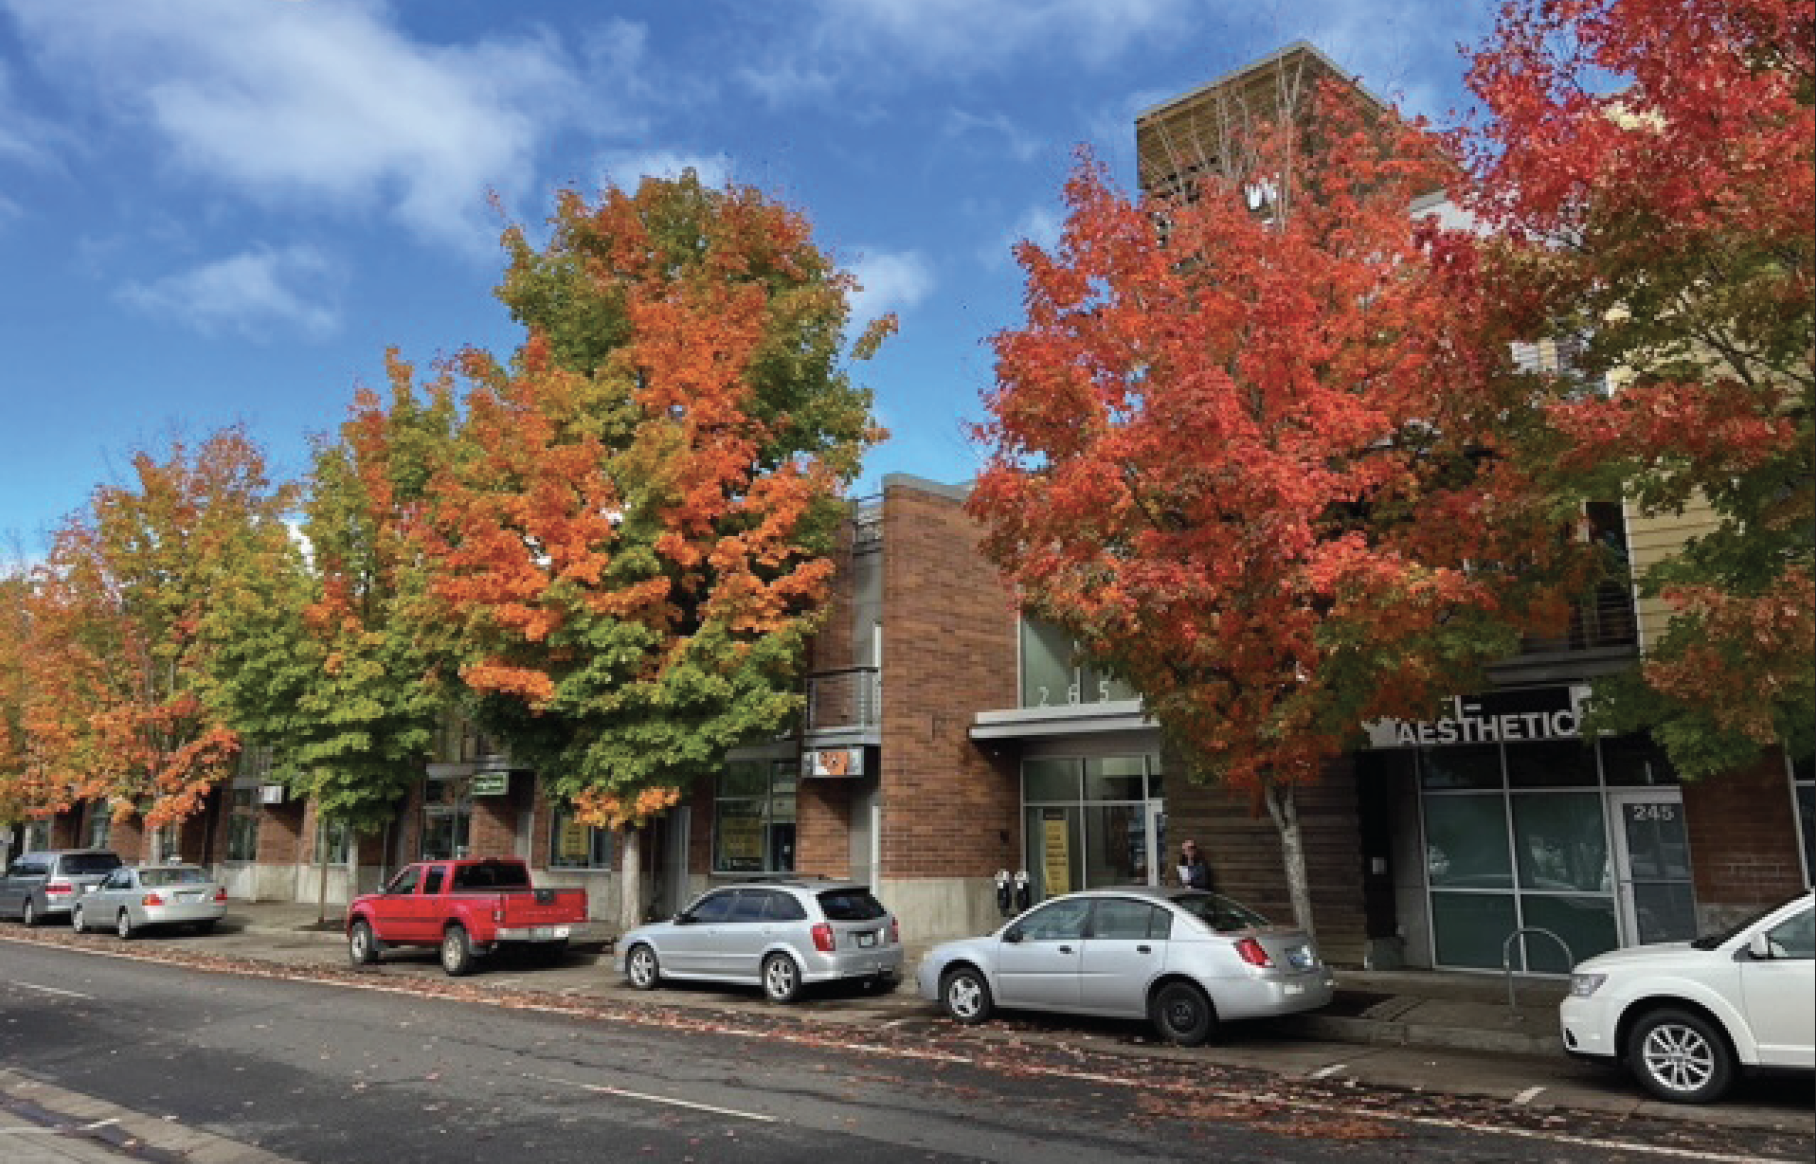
x=491, y=783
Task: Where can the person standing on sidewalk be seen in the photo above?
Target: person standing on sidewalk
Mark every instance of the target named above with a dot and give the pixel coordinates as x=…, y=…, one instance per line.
x=1194, y=873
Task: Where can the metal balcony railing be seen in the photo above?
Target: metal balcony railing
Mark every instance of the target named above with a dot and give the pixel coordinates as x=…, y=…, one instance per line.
x=848, y=697
x=1601, y=620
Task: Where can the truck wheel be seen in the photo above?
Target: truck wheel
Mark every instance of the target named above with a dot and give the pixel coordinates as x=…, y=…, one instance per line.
x=456, y=952
x=642, y=968
x=1680, y=1057
x=362, y=947
x=781, y=979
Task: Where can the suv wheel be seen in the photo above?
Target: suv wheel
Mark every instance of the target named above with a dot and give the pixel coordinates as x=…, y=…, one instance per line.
x=781, y=978
x=1680, y=1056
x=28, y=914
x=77, y=922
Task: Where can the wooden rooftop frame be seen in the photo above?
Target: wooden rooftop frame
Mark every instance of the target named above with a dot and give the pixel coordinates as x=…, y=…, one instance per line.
x=1197, y=132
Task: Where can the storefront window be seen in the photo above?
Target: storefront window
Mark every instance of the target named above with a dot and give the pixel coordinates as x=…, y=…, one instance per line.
x=1472, y=766
x=1092, y=822
x=1053, y=673
x=1635, y=761
x=333, y=843
x=1471, y=928
x=1466, y=843
x=1585, y=924
x=1559, y=764
x=1562, y=843
x=754, y=817
x=575, y=845
x=243, y=826
x=447, y=818
x=1050, y=780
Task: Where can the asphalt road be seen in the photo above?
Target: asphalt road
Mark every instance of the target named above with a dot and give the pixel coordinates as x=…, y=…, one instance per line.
x=379, y=1072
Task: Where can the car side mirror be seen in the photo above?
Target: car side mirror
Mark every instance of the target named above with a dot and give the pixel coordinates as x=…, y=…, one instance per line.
x=1760, y=946
x=1012, y=935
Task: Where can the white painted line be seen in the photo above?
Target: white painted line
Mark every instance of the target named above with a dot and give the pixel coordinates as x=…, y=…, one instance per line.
x=1527, y=1096
x=1327, y=1072
x=52, y=990
x=601, y=1089
x=107, y=1123
x=31, y=1131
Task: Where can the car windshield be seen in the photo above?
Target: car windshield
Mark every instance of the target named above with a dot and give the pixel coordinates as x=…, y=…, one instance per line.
x=1219, y=912
x=1711, y=941
x=150, y=877
x=78, y=864
x=851, y=905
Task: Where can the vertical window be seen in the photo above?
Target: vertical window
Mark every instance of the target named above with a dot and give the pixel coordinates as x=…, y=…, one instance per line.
x=1053, y=673
x=100, y=826
x=447, y=817
x=754, y=817
x=1803, y=787
x=243, y=826
x=333, y=843
x=574, y=845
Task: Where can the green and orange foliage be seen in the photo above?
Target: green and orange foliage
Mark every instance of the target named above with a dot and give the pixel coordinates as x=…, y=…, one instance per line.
x=116, y=706
x=1250, y=449
x=324, y=652
x=630, y=536
x=1653, y=165
x=18, y=765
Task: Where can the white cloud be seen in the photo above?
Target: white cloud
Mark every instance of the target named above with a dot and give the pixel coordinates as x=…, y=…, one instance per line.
x=1016, y=142
x=248, y=293
x=326, y=102
x=1040, y=225
x=873, y=39
x=888, y=281
x=627, y=168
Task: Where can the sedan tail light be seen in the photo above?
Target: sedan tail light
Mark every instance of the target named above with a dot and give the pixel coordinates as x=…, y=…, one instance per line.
x=823, y=938
x=221, y=894
x=151, y=899
x=57, y=888
x=1251, y=951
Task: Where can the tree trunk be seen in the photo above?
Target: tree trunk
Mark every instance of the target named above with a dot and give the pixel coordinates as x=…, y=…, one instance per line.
x=1283, y=806
x=630, y=879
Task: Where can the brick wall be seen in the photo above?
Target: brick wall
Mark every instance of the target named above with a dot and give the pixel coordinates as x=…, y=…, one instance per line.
x=127, y=838
x=822, y=824
x=1743, y=840
x=281, y=834
x=492, y=831
x=949, y=810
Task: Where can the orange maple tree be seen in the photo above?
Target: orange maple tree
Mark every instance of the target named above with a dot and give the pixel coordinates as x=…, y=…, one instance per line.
x=1651, y=165
x=1246, y=449
x=114, y=706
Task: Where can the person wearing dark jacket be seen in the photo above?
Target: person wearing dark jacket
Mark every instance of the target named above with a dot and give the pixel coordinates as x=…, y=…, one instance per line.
x=1193, y=872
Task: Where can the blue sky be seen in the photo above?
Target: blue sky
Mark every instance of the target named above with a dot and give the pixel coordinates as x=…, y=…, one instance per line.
x=221, y=211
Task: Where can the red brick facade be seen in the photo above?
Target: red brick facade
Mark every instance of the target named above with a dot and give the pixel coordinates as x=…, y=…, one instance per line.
x=1744, y=851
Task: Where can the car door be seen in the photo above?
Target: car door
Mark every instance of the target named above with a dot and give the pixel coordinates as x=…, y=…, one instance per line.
x=1779, y=992
x=1125, y=949
x=101, y=905
x=1037, y=957
x=738, y=947
x=687, y=946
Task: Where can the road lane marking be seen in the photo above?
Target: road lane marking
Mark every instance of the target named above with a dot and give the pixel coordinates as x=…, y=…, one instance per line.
x=602, y=1089
x=52, y=990
x=1527, y=1096
x=277, y=973
x=1327, y=1072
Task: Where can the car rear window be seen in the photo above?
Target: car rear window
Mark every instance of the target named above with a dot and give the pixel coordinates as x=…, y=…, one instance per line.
x=851, y=905
x=1219, y=912
x=150, y=877
x=491, y=877
x=78, y=864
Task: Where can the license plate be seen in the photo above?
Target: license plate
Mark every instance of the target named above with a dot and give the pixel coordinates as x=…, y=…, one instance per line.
x=548, y=933
x=867, y=939
x=196, y=896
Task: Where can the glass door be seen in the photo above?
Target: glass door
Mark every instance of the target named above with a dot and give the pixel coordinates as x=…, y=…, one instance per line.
x=1652, y=850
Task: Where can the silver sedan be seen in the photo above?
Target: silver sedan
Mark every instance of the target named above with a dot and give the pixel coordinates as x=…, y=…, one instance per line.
x=133, y=899
x=1184, y=959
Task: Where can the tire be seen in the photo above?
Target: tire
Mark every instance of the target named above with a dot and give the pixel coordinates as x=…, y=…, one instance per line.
x=642, y=968
x=781, y=979
x=1183, y=1014
x=28, y=915
x=123, y=926
x=456, y=952
x=1680, y=1056
x=362, y=947
x=76, y=921
x=966, y=995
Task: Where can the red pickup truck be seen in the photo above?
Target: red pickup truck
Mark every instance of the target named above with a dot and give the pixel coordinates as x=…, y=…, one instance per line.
x=467, y=908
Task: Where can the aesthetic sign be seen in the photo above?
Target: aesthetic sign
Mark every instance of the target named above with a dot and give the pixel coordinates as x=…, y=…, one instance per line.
x=1505, y=717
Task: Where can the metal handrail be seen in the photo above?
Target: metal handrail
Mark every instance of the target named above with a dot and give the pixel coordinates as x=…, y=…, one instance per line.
x=1507, y=958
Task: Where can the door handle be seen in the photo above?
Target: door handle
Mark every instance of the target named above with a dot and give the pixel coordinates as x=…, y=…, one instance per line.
x=1144, y=949
x=1065, y=949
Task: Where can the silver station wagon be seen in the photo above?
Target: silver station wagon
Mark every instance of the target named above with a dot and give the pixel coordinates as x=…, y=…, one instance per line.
x=1184, y=959
x=781, y=935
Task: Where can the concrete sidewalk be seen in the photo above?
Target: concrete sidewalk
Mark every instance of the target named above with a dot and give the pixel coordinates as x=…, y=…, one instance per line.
x=1425, y=1032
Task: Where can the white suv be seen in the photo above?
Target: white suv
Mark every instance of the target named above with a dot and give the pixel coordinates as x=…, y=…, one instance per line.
x=1686, y=1016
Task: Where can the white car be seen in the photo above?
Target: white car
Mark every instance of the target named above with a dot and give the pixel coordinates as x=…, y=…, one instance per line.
x=1686, y=1016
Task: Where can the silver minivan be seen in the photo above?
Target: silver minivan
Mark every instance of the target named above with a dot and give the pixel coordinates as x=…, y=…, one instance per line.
x=782, y=935
x=44, y=885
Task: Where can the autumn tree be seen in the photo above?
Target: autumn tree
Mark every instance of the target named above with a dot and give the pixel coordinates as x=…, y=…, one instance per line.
x=326, y=652
x=116, y=704
x=1650, y=164
x=631, y=536
x=1246, y=448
